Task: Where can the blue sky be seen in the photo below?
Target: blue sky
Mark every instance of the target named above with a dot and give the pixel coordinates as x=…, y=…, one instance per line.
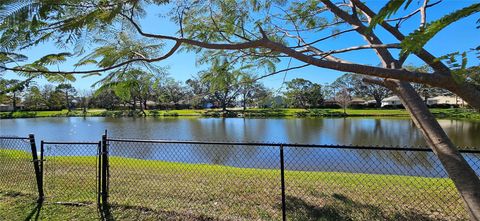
x=460, y=36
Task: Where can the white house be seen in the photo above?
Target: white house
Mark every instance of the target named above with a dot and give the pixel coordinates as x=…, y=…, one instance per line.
x=391, y=101
x=9, y=107
x=5, y=107
x=446, y=100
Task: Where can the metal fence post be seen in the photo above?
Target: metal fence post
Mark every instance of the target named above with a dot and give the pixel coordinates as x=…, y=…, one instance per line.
x=36, y=167
x=282, y=175
x=42, y=151
x=99, y=172
x=104, y=170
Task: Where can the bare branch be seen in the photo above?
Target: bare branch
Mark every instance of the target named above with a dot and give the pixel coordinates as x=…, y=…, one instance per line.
x=428, y=58
x=312, y=48
x=325, y=38
x=374, y=46
x=379, y=82
x=280, y=71
x=423, y=14
x=406, y=17
x=384, y=55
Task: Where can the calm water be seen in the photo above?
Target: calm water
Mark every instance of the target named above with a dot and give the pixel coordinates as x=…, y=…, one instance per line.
x=357, y=131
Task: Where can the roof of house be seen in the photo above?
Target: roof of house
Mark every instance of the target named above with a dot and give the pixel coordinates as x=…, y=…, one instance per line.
x=392, y=98
x=442, y=98
x=358, y=100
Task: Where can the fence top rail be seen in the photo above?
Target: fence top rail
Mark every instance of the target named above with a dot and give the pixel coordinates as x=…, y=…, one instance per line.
x=194, y=142
x=282, y=144
x=72, y=143
x=14, y=138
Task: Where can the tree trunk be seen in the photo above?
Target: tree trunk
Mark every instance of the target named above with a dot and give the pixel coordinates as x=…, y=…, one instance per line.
x=378, y=102
x=134, y=107
x=224, y=106
x=244, y=102
x=14, y=102
x=66, y=100
x=224, y=101
x=468, y=92
x=462, y=175
x=142, y=108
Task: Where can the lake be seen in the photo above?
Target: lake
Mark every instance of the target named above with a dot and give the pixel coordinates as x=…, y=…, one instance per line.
x=356, y=131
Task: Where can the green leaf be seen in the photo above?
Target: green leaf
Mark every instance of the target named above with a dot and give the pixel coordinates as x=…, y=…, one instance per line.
x=388, y=10
x=417, y=39
x=53, y=59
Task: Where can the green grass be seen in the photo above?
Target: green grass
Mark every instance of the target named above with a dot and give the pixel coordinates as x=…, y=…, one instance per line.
x=157, y=190
x=457, y=113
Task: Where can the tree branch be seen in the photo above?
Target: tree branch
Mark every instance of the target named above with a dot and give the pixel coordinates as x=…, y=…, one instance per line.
x=384, y=55
x=325, y=38
x=170, y=53
x=428, y=58
x=374, y=46
x=280, y=71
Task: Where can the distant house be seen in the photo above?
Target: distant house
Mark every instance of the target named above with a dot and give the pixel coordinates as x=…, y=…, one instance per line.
x=5, y=107
x=151, y=104
x=9, y=107
x=392, y=101
x=331, y=104
x=358, y=103
x=451, y=101
x=371, y=103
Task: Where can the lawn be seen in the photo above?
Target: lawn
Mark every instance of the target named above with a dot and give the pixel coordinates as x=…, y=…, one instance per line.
x=157, y=190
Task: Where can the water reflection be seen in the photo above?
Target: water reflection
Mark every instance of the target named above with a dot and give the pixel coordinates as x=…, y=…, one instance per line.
x=357, y=131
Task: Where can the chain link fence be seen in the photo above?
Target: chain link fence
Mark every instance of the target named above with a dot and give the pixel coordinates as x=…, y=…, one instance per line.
x=195, y=180
x=17, y=175
x=243, y=181
x=71, y=171
x=341, y=182
x=192, y=180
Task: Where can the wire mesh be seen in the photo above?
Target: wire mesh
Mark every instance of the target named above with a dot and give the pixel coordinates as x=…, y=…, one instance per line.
x=204, y=181
x=16, y=168
x=370, y=184
x=190, y=180
x=71, y=172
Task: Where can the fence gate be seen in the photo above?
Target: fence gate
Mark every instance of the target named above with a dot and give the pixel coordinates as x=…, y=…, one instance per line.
x=71, y=171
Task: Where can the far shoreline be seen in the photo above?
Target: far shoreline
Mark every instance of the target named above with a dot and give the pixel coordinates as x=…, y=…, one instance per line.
x=454, y=114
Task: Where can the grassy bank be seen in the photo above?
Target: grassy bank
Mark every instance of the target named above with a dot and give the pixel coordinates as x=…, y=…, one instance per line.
x=157, y=190
x=254, y=113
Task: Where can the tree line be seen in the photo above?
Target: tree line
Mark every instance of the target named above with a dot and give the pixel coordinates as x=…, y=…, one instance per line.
x=219, y=87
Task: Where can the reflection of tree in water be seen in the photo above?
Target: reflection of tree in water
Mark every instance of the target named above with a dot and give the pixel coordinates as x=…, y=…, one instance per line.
x=206, y=130
x=462, y=133
x=304, y=130
x=407, y=159
x=132, y=150
x=383, y=132
x=398, y=133
x=254, y=130
x=220, y=130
